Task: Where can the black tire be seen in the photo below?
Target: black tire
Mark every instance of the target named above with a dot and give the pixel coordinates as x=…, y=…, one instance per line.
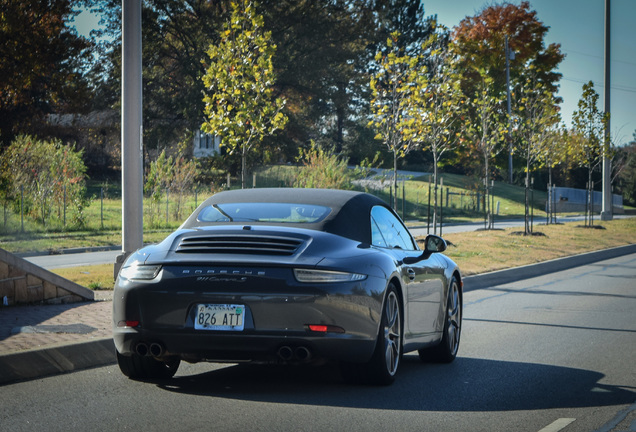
x=141, y=368
x=447, y=349
x=386, y=358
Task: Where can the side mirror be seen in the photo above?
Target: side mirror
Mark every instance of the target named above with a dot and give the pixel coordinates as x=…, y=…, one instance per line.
x=432, y=244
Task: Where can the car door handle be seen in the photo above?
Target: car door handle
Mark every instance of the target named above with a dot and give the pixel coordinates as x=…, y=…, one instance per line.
x=411, y=273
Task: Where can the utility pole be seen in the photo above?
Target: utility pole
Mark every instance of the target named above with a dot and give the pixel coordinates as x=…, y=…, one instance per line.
x=607, y=210
x=508, y=58
x=131, y=132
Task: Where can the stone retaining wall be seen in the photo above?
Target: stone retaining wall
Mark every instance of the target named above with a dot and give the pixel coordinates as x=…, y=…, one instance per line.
x=22, y=282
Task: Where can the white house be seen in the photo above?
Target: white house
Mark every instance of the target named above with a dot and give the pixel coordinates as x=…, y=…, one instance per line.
x=205, y=145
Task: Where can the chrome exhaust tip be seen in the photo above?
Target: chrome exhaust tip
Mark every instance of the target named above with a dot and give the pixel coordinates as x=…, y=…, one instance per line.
x=156, y=349
x=302, y=353
x=141, y=349
x=285, y=353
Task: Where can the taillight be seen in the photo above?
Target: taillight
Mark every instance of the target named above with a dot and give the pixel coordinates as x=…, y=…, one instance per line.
x=128, y=323
x=326, y=276
x=139, y=272
x=322, y=328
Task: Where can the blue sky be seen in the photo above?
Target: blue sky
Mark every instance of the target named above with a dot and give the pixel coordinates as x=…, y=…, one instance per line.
x=578, y=25
x=85, y=22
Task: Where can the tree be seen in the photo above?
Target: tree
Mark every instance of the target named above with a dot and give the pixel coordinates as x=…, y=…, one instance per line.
x=321, y=64
x=439, y=113
x=553, y=153
x=240, y=103
x=481, y=39
x=480, y=42
x=396, y=88
x=167, y=174
x=484, y=131
x=41, y=63
x=406, y=17
x=589, y=123
x=537, y=117
x=325, y=52
x=176, y=35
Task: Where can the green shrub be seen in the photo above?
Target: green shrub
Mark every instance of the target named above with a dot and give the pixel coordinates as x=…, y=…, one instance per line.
x=323, y=169
x=47, y=176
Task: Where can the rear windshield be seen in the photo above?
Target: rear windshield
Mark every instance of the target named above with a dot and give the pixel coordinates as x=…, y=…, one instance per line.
x=264, y=212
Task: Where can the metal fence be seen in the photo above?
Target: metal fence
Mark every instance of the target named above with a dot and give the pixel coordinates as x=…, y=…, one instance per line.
x=570, y=200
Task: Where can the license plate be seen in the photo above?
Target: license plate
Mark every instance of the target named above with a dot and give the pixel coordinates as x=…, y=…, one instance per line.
x=227, y=317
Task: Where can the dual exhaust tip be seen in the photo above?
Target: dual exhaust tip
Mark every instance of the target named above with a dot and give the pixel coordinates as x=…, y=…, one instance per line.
x=154, y=349
x=285, y=353
x=300, y=353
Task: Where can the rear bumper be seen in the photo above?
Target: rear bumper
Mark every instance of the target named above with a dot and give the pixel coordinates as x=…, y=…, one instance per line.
x=247, y=348
x=278, y=312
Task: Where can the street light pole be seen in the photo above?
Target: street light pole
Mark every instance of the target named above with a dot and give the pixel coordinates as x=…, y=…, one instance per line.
x=607, y=210
x=131, y=131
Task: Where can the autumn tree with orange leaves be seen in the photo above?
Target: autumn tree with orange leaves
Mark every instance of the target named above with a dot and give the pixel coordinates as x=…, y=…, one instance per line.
x=480, y=42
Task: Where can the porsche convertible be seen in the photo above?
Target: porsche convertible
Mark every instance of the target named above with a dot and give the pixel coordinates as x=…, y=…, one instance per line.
x=288, y=276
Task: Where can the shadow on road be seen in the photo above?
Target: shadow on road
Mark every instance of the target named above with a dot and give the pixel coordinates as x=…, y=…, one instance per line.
x=466, y=385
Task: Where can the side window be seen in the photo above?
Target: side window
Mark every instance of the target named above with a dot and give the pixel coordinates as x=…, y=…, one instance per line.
x=388, y=231
x=377, y=239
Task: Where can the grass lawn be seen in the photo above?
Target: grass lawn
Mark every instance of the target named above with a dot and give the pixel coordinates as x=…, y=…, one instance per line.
x=484, y=251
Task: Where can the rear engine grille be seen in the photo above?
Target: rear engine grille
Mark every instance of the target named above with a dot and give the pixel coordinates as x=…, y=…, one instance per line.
x=237, y=244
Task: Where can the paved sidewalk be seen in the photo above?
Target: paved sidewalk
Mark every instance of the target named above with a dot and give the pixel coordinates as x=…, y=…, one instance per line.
x=36, y=327
x=41, y=340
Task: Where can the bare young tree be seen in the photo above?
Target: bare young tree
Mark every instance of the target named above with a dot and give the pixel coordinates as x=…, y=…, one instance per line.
x=537, y=117
x=397, y=89
x=439, y=116
x=589, y=124
x=485, y=131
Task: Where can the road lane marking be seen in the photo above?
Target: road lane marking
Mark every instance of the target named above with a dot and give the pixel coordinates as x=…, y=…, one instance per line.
x=618, y=418
x=557, y=425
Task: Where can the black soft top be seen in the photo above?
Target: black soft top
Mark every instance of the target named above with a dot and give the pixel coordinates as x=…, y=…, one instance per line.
x=349, y=215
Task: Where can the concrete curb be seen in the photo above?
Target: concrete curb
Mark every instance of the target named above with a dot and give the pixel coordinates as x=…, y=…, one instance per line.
x=32, y=364
x=69, y=251
x=25, y=365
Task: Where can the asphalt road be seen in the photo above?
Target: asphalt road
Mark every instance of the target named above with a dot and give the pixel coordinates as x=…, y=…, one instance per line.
x=74, y=259
x=551, y=353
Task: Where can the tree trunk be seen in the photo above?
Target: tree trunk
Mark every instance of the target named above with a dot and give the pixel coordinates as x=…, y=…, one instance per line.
x=527, y=199
x=340, y=115
x=243, y=164
x=550, y=195
x=486, y=199
x=590, y=191
x=395, y=191
x=436, y=182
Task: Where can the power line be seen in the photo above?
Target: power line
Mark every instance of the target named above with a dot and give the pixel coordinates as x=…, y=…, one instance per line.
x=619, y=88
x=598, y=57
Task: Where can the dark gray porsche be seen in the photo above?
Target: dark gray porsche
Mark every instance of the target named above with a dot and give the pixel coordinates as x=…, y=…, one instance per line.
x=288, y=276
